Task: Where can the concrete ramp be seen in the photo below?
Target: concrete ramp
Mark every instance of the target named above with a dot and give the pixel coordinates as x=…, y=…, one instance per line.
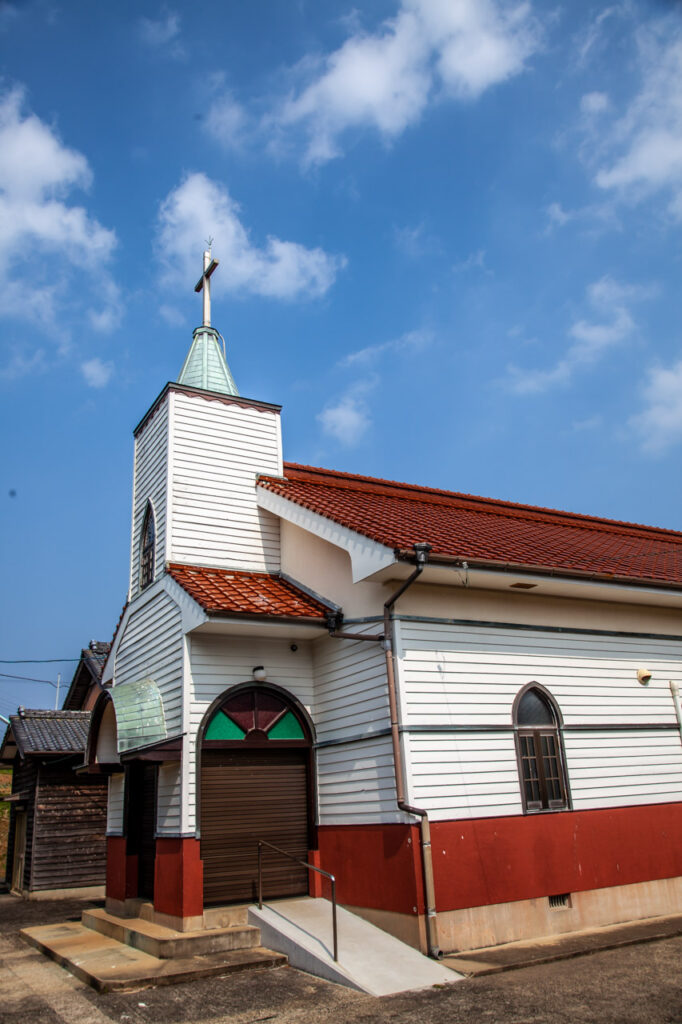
x=370, y=959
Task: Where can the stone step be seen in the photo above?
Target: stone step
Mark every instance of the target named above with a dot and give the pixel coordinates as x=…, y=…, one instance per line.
x=167, y=943
x=111, y=966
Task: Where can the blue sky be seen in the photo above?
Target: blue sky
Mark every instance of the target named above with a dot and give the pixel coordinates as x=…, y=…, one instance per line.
x=449, y=242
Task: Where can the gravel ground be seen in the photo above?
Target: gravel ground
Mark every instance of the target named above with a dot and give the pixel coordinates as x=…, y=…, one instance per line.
x=637, y=984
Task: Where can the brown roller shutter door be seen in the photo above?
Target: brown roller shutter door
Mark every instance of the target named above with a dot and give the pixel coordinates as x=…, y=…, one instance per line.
x=246, y=796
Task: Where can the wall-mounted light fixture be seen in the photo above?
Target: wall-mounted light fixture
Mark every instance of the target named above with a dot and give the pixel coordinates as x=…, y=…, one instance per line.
x=643, y=676
x=259, y=674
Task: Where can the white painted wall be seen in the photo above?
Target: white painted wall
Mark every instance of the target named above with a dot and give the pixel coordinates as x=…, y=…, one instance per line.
x=218, y=449
x=470, y=675
x=115, y=804
x=150, y=484
x=168, y=799
x=218, y=662
x=151, y=648
x=356, y=781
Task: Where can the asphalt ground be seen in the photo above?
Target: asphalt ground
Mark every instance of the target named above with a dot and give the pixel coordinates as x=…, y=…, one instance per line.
x=636, y=983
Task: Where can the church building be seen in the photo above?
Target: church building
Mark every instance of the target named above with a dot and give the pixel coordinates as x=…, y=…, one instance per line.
x=466, y=709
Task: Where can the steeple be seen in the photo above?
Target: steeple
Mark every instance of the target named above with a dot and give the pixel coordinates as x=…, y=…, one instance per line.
x=206, y=366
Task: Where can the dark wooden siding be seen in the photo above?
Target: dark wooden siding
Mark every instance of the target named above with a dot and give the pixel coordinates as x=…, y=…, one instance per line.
x=24, y=780
x=246, y=796
x=69, y=845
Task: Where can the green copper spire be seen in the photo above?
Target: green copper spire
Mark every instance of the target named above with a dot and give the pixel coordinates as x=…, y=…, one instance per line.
x=206, y=366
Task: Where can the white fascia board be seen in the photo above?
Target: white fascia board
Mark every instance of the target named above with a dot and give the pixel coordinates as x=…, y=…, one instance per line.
x=554, y=585
x=193, y=614
x=367, y=556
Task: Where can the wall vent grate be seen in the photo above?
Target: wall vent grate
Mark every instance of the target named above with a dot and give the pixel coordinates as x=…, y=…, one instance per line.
x=560, y=902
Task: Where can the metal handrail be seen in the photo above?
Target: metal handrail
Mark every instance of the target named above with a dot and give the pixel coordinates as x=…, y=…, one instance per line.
x=311, y=867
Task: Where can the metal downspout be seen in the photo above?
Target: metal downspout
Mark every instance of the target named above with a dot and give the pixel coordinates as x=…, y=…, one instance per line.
x=675, y=691
x=422, y=553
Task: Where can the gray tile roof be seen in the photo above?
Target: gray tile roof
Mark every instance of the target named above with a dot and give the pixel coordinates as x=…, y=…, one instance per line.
x=42, y=732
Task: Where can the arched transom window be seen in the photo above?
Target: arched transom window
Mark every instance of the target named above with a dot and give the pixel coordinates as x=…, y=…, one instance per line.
x=257, y=717
x=541, y=762
x=147, y=547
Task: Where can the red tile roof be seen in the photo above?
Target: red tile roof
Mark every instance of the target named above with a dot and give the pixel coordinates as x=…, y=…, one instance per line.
x=229, y=592
x=484, y=530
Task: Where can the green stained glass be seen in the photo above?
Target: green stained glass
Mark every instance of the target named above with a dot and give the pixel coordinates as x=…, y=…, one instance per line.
x=287, y=728
x=223, y=728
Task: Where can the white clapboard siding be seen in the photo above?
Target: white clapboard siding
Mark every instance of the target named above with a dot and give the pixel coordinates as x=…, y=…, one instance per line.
x=168, y=797
x=447, y=669
x=356, y=783
x=219, y=662
x=151, y=648
x=464, y=675
x=218, y=449
x=150, y=484
x=614, y=769
x=464, y=776
x=351, y=697
x=115, y=804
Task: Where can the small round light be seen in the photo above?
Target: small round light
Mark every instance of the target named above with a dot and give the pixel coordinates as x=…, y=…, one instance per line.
x=259, y=674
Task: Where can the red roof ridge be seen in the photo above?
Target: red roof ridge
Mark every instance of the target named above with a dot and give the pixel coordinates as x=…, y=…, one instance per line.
x=414, y=492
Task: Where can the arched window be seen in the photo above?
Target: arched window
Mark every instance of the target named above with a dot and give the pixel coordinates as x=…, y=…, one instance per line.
x=537, y=723
x=147, y=546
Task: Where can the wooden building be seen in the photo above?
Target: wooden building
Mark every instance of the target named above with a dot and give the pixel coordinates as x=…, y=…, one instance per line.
x=57, y=841
x=465, y=708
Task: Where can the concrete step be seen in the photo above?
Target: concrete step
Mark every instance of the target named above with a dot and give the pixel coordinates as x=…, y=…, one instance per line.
x=224, y=917
x=370, y=959
x=110, y=966
x=167, y=943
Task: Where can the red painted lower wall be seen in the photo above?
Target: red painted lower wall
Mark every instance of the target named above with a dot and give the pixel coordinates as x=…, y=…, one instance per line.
x=497, y=860
x=376, y=866
x=476, y=862
x=178, y=877
x=121, y=877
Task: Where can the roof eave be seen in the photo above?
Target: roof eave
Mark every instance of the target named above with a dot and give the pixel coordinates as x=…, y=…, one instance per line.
x=303, y=620
x=527, y=569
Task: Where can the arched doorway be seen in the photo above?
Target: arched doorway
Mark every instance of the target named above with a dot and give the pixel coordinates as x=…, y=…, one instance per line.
x=256, y=783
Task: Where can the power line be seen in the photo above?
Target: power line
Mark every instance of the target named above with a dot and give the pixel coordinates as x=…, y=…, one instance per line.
x=33, y=661
x=28, y=679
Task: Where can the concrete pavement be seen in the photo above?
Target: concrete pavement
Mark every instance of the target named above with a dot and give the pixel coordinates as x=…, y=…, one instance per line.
x=634, y=984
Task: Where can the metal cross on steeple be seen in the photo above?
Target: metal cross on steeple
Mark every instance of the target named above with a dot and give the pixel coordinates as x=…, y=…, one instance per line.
x=204, y=283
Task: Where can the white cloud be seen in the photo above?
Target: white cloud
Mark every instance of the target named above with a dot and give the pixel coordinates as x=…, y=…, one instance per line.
x=97, y=374
x=595, y=34
x=557, y=216
x=227, y=121
x=642, y=154
x=412, y=241
x=659, y=425
x=475, y=261
x=20, y=365
x=162, y=34
x=412, y=341
x=200, y=207
x=37, y=174
x=594, y=103
x=172, y=316
x=591, y=338
x=384, y=80
x=348, y=419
